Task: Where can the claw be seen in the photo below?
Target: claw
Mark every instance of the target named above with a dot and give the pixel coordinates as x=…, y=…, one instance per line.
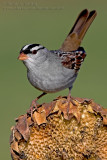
x=34, y=105
x=70, y=99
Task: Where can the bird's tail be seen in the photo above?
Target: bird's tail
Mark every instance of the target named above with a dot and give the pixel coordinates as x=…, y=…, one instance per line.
x=77, y=33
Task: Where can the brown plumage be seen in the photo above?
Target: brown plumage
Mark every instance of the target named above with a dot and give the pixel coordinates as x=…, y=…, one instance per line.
x=77, y=33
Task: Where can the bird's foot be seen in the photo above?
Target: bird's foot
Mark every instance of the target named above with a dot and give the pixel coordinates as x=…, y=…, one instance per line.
x=70, y=106
x=71, y=99
x=34, y=104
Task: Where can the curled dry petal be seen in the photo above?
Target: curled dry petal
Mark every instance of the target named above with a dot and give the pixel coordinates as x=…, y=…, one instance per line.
x=61, y=130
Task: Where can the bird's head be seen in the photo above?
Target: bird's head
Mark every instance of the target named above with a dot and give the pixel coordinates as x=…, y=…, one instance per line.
x=33, y=55
x=30, y=51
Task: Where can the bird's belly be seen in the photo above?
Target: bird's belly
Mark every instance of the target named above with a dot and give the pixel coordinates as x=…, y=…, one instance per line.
x=52, y=81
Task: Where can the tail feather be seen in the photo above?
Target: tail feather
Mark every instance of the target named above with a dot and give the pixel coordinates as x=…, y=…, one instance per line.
x=90, y=19
x=80, y=21
x=77, y=33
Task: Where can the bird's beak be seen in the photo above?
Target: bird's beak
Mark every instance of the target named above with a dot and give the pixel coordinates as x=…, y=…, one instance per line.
x=22, y=56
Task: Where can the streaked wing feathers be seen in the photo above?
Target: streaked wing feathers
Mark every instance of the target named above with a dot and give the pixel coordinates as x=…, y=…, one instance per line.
x=72, y=60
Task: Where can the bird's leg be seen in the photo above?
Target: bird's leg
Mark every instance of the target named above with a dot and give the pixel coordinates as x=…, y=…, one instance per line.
x=70, y=99
x=34, y=103
x=44, y=93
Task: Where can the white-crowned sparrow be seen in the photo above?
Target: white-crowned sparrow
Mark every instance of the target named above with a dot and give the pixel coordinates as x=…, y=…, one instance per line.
x=55, y=70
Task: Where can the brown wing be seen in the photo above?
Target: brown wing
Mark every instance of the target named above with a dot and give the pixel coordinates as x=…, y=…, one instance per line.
x=74, y=59
x=77, y=33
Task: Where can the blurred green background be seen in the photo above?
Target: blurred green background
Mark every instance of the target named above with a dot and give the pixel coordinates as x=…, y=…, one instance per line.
x=46, y=22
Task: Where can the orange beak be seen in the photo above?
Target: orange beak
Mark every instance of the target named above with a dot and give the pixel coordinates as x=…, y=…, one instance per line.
x=22, y=56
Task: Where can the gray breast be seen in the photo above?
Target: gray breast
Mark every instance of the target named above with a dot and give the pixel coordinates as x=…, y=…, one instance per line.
x=51, y=76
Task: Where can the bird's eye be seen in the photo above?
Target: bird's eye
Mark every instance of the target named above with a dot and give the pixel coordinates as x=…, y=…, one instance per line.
x=34, y=51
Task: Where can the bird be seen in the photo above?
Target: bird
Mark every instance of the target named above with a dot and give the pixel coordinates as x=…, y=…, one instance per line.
x=54, y=70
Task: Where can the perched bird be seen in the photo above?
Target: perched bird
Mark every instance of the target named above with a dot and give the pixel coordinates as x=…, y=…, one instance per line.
x=54, y=70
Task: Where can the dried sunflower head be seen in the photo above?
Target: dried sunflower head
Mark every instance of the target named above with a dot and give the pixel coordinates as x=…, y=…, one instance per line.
x=54, y=133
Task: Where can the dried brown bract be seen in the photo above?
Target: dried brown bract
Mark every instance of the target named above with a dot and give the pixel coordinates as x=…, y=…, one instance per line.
x=58, y=132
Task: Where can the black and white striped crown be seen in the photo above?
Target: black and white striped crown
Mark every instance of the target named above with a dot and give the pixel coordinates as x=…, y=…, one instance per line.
x=29, y=48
